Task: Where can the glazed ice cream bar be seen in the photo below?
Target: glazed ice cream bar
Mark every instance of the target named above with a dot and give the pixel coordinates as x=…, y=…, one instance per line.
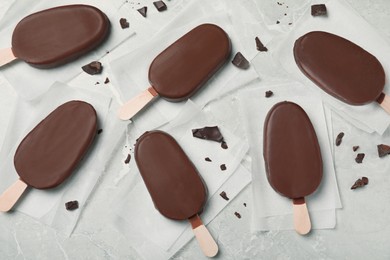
x=176, y=188
x=292, y=158
x=48, y=155
x=341, y=68
x=52, y=37
x=183, y=68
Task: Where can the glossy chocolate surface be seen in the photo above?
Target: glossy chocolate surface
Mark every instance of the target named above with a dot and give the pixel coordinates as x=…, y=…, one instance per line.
x=291, y=153
x=341, y=68
x=186, y=65
x=176, y=188
x=52, y=150
x=55, y=36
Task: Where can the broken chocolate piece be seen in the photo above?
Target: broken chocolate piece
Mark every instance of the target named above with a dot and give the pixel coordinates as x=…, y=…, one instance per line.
x=107, y=80
x=383, y=150
x=207, y=159
x=277, y=22
x=224, y=145
x=99, y=131
x=359, y=157
x=143, y=11
x=93, y=68
x=259, y=45
x=269, y=93
x=318, y=10
x=244, y=204
x=365, y=180
x=72, y=205
x=354, y=148
x=124, y=23
x=240, y=61
x=238, y=215
x=208, y=133
x=360, y=183
x=160, y=6
x=223, y=195
x=128, y=159
x=339, y=138
x=223, y=167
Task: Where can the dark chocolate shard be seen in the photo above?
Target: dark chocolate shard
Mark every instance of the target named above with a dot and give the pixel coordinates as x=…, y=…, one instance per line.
x=223, y=195
x=224, y=145
x=160, y=6
x=107, y=80
x=72, y=205
x=277, y=22
x=238, y=215
x=244, y=204
x=143, y=11
x=128, y=159
x=223, y=167
x=99, y=131
x=339, y=138
x=269, y=93
x=207, y=159
x=360, y=183
x=124, y=23
x=318, y=10
x=359, y=157
x=211, y=133
x=93, y=68
x=355, y=148
x=383, y=150
x=259, y=45
x=240, y=61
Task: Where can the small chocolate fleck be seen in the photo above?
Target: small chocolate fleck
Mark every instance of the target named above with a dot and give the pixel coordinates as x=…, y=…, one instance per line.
x=339, y=138
x=208, y=133
x=97, y=83
x=359, y=157
x=383, y=150
x=207, y=159
x=99, y=131
x=128, y=159
x=318, y=10
x=269, y=93
x=143, y=11
x=72, y=205
x=279, y=3
x=360, y=183
x=238, y=215
x=285, y=14
x=223, y=167
x=244, y=204
x=365, y=180
x=107, y=80
x=277, y=22
x=289, y=23
x=240, y=61
x=95, y=67
x=259, y=45
x=223, y=195
x=124, y=23
x=160, y=6
x=355, y=148
x=224, y=145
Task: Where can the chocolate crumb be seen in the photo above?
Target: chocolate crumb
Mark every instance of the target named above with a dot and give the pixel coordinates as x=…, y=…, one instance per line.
x=124, y=23
x=107, y=80
x=208, y=133
x=269, y=93
x=160, y=6
x=360, y=183
x=99, y=131
x=72, y=205
x=93, y=68
x=359, y=157
x=383, y=150
x=223, y=195
x=285, y=14
x=339, y=138
x=318, y=10
x=277, y=22
x=143, y=11
x=354, y=148
x=259, y=45
x=238, y=215
x=365, y=180
x=244, y=204
x=240, y=61
x=224, y=145
x=207, y=159
x=97, y=83
x=289, y=23
x=223, y=167
x=128, y=159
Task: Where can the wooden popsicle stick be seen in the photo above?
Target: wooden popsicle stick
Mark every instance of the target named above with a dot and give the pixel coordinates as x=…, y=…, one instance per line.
x=11, y=195
x=134, y=105
x=206, y=241
x=384, y=102
x=302, y=222
x=6, y=56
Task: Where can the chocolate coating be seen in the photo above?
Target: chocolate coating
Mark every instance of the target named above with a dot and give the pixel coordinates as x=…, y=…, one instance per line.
x=186, y=65
x=55, y=36
x=176, y=188
x=340, y=67
x=51, y=151
x=291, y=153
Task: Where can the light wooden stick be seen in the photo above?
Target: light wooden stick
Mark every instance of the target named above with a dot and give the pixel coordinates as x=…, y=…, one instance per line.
x=384, y=102
x=206, y=241
x=12, y=195
x=134, y=105
x=302, y=222
x=6, y=56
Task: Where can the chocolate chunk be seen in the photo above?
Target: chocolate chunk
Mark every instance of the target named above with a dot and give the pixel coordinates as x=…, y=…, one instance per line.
x=244, y=204
x=160, y=6
x=277, y=22
x=240, y=62
x=97, y=83
x=359, y=157
x=259, y=45
x=128, y=159
x=124, y=23
x=208, y=133
x=354, y=148
x=269, y=93
x=207, y=159
x=107, y=81
x=93, y=68
x=365, y=180
x=383, y=150
x=289, y=23
x=223, y=167
x=224, y=145
x=99, y=131
x=72, y=205
x=143, y=11
x=360, y=183
x=223, y=195
x=339, y=138
x=238, y=215
x=318, y=10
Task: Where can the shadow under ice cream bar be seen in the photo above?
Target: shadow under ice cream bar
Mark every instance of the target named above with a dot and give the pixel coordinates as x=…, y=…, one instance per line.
x=292, y=158
x=48, y=155
x=58, y=35
x=341, y=68
x=176, y=188
x=182, y=68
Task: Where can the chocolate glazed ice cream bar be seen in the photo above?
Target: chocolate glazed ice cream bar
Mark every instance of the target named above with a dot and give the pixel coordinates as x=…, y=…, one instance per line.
x=292, y=158
x=176, y=188
x=183, y=68
x=341, y=68
x=48, y=155
x=54, y=36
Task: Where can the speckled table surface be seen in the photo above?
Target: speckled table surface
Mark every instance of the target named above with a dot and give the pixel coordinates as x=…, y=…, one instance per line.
x=362, y=229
